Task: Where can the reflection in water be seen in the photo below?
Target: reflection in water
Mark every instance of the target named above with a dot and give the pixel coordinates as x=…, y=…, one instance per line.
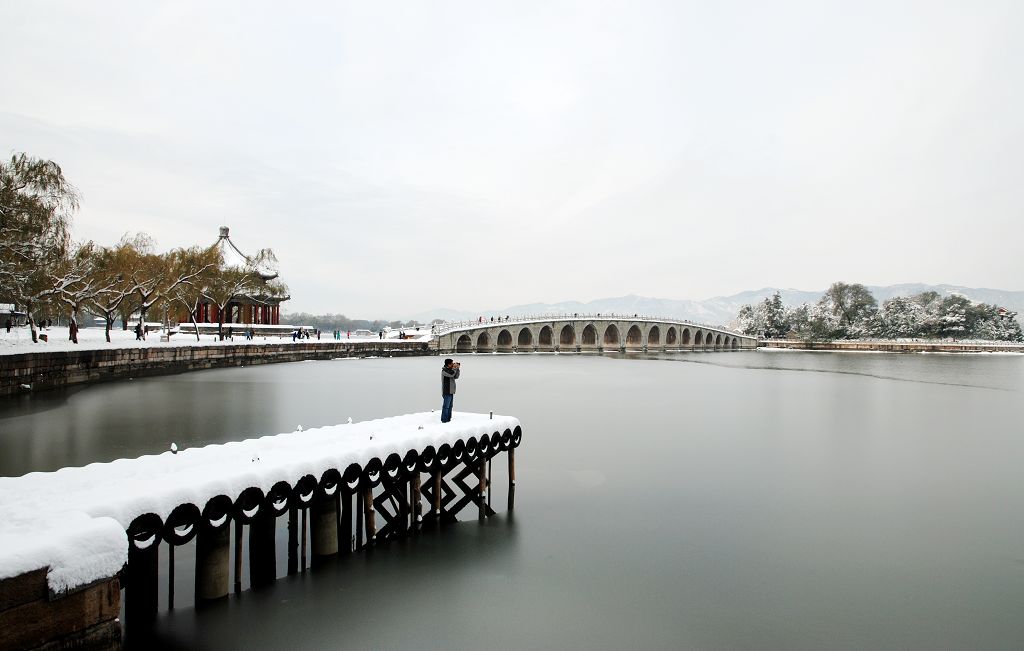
x=737, y=503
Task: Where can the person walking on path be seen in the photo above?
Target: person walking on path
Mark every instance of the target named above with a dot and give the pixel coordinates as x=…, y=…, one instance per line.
x=449, y=373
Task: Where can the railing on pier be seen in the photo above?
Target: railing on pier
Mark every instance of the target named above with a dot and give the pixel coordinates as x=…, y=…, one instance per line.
x=343, y=488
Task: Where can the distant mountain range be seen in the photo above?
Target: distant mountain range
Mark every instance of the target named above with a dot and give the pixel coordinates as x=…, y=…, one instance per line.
x=720, y=310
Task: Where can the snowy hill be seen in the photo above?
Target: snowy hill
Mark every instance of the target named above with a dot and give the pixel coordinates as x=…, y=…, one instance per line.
x=722, y=309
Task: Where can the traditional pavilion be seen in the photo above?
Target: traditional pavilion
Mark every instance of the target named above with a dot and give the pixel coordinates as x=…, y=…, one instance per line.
x=250, y=310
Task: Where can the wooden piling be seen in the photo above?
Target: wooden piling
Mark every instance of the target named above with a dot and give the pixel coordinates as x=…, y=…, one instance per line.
x=293, y=539
x=359, y=522
x=305, y=530
x=417, y=502
x=511, y=478
x=142, y=586
x=324, y=528
x=437, y=493
x=371, y=516
x=262, y=549
x=345, y=524
x=170, y=576
x=482, y=490
x=238, y=557
x=213, y=556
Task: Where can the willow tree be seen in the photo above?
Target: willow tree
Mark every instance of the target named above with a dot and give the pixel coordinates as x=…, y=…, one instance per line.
x=197, y=268
x=36, y=205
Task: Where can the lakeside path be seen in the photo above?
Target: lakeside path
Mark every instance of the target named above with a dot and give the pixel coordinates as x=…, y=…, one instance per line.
x=27, y=368
x=19, y=340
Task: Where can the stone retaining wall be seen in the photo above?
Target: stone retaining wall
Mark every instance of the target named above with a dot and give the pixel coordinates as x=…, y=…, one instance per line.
x=31, y=617
x=50, y=370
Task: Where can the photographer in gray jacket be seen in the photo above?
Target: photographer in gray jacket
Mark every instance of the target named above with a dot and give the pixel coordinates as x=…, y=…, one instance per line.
x=449, y=373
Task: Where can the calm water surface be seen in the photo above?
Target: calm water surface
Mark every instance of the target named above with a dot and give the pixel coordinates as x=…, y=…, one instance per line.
x=751, y=500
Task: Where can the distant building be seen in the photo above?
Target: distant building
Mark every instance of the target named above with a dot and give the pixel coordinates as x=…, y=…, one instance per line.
x=250, y=310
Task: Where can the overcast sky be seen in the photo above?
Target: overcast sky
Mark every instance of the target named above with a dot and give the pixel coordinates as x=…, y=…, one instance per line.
x=404, y=156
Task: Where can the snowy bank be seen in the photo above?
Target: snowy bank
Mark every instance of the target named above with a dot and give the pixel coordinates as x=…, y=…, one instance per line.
x=19, y=340
x=73, y=521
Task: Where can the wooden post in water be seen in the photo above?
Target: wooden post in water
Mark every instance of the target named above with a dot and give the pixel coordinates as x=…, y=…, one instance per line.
x=511, y=478
x=170, y=576
x=371, y=516
x=345, y=524
x=293, y=539
x=437, y=495
x=482, y=489
x=213, y=557
x=262, y=549
x=238, y=557
x=417, y=502
x=142, y=586
x=359, y=521
x=324, y=528
x=305, y=529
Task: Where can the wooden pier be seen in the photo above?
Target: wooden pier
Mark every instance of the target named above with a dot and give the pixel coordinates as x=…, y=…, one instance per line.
x=337, y=490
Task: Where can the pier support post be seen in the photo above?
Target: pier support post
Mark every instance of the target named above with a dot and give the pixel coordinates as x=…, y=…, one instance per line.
x=371, y=516
x=324, y=528
x=213, y=552
x=345, y=524
x=262, y=549
x=293, y=539
x=238, y=556
x=511, y=478
x=142, y=586
x=417, y=502
x=482, y=488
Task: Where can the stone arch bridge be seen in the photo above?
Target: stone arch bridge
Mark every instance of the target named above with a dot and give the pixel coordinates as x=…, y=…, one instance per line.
x=586, y=333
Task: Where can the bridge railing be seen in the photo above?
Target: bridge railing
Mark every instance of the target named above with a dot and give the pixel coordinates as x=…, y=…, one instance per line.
x=520, y=319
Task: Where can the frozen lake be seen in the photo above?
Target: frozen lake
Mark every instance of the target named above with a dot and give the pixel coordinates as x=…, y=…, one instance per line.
x=744, y=500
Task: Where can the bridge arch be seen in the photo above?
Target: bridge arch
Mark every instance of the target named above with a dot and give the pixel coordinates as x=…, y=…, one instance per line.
x=483, y=342
x=611, y=336
x=464, y=345
x=567, y=336
x=709, y=339
x=698, y=339
x=686, y=337
x=525, y=338
x=735, y=344
x=589, y=336
x=504, y=341
x=671, y=336
x=654, y=336
x=545, y=339
x=718, y=341
x=634, y=337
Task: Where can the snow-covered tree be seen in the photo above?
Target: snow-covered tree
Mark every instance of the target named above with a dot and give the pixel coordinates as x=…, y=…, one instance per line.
x=36, y=204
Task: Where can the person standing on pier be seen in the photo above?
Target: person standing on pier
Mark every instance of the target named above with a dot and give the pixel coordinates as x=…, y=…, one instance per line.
x=449, y=373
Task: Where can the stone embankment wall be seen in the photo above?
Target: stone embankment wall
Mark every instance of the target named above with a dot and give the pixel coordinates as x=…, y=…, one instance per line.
x=50, y=370
x=897, y=346
x=31, y=617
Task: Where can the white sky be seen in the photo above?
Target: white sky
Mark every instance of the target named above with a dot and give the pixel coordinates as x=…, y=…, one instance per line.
x=404, y=156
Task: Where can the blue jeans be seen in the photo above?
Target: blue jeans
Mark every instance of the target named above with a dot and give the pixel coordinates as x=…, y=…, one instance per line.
x=446, y=407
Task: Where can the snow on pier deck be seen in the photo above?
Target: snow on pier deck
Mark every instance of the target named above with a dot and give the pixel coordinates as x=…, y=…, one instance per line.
x=75, y=521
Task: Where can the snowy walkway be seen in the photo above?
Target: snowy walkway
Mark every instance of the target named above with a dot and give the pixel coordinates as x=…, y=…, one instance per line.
x=74, y=520
x=19, y=340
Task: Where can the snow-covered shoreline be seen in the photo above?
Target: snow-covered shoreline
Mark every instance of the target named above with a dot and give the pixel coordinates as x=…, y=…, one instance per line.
x=19, y=340
x=73, y=520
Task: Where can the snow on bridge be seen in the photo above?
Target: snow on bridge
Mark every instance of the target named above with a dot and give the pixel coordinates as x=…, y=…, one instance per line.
x=586, y=332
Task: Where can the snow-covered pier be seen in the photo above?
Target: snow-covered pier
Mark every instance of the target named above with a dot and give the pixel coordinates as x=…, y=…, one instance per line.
x=342, y=488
